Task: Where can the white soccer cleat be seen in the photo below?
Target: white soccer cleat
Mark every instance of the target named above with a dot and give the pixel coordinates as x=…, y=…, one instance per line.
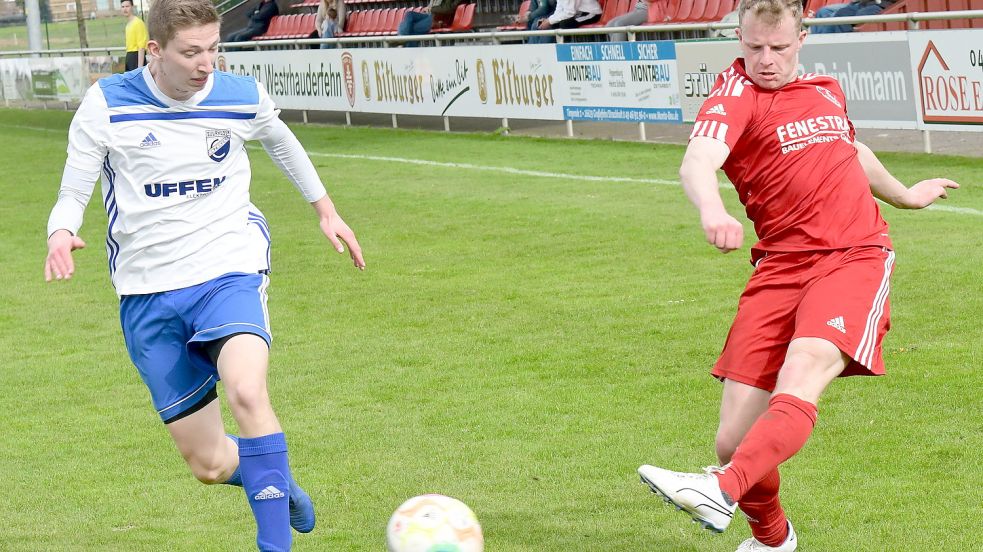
x=753, y=545
x=698, y=494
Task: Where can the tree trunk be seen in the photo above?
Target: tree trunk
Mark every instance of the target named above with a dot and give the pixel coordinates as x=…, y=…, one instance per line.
x=80, y=18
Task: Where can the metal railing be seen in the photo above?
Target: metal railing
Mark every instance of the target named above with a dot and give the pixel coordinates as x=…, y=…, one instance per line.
x=499, y=37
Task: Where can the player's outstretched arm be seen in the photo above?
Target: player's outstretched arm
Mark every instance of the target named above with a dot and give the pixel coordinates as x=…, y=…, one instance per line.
x=891, y=191
x=289, y=155
x=698, y=173
x=59, y=264
x=337, y=231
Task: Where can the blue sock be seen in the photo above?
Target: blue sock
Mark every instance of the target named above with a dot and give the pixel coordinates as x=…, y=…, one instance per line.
x=266, y=479
x=236, y=478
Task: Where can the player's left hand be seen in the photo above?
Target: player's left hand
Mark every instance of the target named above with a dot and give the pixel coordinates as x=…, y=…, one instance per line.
x=926, y=192
x=337, y=231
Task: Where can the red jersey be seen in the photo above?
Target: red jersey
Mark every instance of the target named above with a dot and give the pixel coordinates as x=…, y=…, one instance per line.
x=793, y=162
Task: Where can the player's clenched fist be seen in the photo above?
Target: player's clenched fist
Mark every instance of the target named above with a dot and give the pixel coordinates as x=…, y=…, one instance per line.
x=722, y=230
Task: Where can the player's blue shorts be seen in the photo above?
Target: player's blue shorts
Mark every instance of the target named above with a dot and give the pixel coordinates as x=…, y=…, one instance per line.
x=166, y=334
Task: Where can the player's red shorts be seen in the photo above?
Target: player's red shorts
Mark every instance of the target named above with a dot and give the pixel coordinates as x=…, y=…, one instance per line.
x=840, y=296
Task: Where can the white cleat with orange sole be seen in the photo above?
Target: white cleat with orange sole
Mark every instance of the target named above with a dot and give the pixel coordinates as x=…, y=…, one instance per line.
x=697, y=494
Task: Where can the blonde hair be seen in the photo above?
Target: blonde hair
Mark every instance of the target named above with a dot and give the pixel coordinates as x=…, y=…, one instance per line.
x=167, y=17
x=771, y=11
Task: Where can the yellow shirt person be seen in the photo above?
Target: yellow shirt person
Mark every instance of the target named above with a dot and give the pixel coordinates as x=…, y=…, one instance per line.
x=136, y=37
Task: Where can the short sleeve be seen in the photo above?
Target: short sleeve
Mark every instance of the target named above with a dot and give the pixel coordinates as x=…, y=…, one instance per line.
x=728, y=109
x=142, y=36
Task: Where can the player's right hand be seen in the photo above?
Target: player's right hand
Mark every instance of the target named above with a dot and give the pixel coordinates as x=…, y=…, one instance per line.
x=59, y=263
x=722, y=230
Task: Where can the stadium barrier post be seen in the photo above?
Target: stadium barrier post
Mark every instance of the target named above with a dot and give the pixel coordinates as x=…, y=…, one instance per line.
x=569, y=128
x=505, y=126
x=927, y=141
x=447, y=123
x=641, y=131
x=395, y=123
x=348, y=118
x=304, y=115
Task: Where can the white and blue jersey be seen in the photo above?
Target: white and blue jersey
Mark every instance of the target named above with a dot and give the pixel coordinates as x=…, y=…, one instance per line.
x=184, y=242
x=175, y=177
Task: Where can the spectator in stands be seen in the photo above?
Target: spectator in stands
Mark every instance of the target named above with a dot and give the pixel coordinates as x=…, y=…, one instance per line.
x=569, y=14
x=854, y=8
x=542, y=8
x=420, y=22
x=329, y=25
x=136, y=37
x=328, y=28
x=638, y=16
x=829, y=10
x=259, y=22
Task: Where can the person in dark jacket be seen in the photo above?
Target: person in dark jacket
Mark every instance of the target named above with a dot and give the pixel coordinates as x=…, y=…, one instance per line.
x=259, y=21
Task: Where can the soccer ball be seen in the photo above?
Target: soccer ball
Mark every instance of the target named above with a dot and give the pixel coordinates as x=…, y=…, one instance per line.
x=434, y=523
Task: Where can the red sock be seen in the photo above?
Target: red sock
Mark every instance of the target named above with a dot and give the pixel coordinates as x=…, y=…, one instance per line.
x=764, y=510
x=777, y=434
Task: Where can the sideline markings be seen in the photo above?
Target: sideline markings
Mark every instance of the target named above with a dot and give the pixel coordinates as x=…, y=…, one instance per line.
x=507, y=170
x=524, y=172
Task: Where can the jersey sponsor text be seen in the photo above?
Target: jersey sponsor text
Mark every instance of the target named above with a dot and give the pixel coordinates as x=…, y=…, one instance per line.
x=192, y=188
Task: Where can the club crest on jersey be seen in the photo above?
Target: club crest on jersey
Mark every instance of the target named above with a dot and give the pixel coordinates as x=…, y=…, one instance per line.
x=218, y=143
x=829, y=96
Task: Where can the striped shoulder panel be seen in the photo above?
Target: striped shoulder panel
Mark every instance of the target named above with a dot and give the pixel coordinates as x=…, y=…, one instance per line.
x=710, y=129
x=231, y=89
x=733, y=84
x=127, y=89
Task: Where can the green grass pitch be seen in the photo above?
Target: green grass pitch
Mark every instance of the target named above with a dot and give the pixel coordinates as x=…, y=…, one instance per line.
x=520, y=341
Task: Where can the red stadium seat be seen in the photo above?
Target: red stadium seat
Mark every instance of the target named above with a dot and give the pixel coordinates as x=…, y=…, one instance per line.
x=710, y=10
x=295, y=24
x=523, y=11
x=610, y=10
x=459, y=14
x=352, y=23
x=725, y=7
x=466, y=22
x=696, y=11
x=308, y=26
x=275, y=28
x=976, y=5
x=389, y=21
x=683, y=11
x=658, y=12
x=372, y=23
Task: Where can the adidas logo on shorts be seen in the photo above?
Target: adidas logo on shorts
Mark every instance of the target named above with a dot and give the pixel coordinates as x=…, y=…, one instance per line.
x=269, y=493
x=837, y=323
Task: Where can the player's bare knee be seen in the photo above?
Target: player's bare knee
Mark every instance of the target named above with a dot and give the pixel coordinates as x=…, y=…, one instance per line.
x=248, y=398
x=209, y=470
x=211, y=476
